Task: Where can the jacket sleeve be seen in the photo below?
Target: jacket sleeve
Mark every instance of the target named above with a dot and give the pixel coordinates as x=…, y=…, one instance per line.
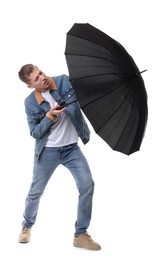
x=39, y=123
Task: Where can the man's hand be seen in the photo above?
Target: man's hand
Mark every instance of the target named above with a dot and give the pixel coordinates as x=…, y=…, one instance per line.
x=55, y=112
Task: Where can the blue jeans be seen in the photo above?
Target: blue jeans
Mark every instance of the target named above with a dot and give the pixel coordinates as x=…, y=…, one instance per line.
x=71, y=157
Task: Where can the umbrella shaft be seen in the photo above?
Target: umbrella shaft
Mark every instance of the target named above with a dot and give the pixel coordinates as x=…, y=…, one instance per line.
x=65, y=104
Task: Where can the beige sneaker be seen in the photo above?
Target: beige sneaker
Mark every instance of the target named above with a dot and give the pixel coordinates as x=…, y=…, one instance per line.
x=25, y=235
x=85, y=241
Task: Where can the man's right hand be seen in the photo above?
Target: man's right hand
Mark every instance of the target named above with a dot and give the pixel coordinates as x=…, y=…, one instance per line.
x=55, y=112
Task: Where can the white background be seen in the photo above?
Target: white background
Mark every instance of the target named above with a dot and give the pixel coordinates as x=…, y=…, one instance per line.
x=130, y=209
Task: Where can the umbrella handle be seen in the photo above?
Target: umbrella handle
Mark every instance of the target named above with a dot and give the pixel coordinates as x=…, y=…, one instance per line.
x=65, y=104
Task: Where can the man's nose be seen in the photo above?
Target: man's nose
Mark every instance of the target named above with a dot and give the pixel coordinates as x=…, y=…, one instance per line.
x=42, y=77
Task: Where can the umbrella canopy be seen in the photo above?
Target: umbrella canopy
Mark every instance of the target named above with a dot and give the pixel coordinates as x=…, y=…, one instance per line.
x=109, y=87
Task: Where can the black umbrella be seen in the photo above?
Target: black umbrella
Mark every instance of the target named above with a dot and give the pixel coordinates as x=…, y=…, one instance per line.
x=109, y=87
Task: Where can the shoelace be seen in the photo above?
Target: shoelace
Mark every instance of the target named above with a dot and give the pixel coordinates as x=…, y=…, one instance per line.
x=25, y=230
x=86, y=234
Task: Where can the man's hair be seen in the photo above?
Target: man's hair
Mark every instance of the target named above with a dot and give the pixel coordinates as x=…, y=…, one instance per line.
x=25, y=72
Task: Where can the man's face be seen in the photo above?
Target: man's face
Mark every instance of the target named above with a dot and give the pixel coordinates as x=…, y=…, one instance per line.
x=38, y=80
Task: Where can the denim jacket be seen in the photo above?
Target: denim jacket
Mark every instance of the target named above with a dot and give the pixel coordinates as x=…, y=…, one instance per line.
x=36, y=109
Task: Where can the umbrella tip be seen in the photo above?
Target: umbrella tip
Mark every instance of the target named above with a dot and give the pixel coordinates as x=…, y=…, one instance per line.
x=140, y=72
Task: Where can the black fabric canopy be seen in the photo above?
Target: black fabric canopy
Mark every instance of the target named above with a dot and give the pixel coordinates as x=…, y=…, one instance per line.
x=109, y=87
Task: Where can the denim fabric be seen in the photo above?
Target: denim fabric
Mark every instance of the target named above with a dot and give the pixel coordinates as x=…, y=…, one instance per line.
x=40, y=124
x=71, y=157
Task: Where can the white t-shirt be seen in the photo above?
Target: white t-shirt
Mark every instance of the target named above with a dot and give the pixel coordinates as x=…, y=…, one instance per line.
x=63, y=131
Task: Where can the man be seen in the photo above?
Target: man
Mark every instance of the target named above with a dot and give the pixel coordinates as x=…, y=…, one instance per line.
x=56, y=130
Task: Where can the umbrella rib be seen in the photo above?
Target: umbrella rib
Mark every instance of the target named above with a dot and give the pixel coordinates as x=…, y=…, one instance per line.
x=101, y=36
x=92, y=56
x=123, y=130
x=116, y=109
x=97, y=75
x=106, y=92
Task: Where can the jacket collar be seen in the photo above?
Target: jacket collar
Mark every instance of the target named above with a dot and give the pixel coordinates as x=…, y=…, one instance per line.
x=38, y=95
